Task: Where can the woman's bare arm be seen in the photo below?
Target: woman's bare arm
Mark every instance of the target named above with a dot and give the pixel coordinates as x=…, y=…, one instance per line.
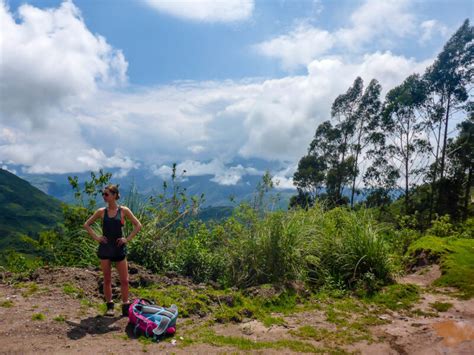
x=136, y=223
x=87, y=225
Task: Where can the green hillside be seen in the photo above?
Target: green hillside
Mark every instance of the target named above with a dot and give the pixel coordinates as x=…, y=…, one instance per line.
x=24, y=210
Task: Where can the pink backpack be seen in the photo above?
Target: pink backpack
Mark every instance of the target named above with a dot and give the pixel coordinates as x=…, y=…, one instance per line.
x=151, y=319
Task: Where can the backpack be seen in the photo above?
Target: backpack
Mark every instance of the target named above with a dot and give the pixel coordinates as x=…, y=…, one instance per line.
x=151, y=319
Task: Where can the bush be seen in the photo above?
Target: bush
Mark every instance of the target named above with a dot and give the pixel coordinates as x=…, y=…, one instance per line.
x=347, y=249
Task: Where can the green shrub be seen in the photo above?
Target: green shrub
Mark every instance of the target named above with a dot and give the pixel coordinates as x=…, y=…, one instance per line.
x=346, y=248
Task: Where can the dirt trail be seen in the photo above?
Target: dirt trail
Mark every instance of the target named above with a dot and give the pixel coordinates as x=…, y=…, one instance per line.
x=72, y=324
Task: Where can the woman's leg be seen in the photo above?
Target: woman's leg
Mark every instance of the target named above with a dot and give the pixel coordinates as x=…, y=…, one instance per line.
x=122, y=268
x=107, y=271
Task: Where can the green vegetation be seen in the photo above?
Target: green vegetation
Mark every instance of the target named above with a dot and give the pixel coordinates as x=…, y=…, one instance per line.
x=441, y=306
x=397, y=297
x=6, y=304
x=24, y=210
x=73, y=291
x=227, y=305
x=38, y=316
x=209, y=337
x=456, y=257
x=60, y=318
x=29, y=288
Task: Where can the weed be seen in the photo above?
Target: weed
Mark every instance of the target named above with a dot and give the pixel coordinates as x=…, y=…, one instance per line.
x=60, y=318
x=73, y=291
x=396, y=297
x=6, y=304
x=441, y=306
x=38, y=316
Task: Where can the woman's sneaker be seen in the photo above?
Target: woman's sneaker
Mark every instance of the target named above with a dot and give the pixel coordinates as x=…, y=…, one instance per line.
x=110, y=309
x=125, y=307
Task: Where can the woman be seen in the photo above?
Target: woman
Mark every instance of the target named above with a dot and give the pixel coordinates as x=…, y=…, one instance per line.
x=112, y=244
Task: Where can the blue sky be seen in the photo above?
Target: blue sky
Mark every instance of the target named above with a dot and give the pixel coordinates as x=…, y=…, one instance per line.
x=139, y=84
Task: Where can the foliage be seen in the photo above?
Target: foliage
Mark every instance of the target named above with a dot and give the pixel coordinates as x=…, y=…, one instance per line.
x=456, y=258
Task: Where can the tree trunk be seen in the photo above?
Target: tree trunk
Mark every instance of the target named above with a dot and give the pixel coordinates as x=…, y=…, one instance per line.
x=435, y=173
x=467, y=194
x=445, y=138
x=407, y=161
x=355, y=163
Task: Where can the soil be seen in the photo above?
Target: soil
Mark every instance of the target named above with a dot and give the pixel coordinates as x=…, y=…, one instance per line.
x=85, y=330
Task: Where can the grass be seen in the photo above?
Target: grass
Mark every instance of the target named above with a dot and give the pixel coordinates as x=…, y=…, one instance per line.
x=6, y=304
x=210, y=337
x=441, y=306
x=29, y=288
x=38, y=316
x=343, y=336
x=60, y=318
x=456, y=257
x=268, y=321
x=226, y=306
x=396, y=297
x=73, y=291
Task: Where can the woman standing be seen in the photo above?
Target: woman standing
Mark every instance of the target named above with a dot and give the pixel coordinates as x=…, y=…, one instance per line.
x=112, y=244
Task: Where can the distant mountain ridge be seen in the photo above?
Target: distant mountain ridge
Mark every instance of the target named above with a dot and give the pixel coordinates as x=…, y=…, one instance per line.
x=24, y=209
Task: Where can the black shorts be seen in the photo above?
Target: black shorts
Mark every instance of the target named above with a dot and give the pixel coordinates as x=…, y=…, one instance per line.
x=113, y=258
x=112, y=252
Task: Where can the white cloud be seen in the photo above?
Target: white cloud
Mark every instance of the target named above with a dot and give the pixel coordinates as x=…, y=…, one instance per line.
x=283, y=179
x=298, y=47
x=205, y=10
x=431, y=28
x=50, y=62
x=87, y=124
x=373, y=22
x=49, y=58
x=376, y=19
x=223, y=175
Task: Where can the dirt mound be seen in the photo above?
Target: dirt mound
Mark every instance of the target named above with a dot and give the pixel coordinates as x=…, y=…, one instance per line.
x=90, y=280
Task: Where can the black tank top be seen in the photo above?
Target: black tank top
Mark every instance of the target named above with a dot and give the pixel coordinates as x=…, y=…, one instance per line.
x=112, y=227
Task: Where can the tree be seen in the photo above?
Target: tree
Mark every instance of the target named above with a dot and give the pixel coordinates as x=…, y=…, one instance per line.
x=346, y=111
x=403, y=128
x=460, y=166
x=366, y=116
x=310, y=176
x=449, y=79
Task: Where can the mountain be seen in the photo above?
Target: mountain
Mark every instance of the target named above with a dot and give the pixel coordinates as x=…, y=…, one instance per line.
x=24, y=209
x=147, y=183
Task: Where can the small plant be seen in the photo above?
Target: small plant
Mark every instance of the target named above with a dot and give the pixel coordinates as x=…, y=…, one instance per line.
x=38, y=316
x=60, y=318
x=30, y=288
x=6, y=304
x=397, y=297
x=73, y=291
x=441, y=306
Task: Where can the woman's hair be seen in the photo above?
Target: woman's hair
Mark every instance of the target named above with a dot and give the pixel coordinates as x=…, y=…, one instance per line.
x=114, y=189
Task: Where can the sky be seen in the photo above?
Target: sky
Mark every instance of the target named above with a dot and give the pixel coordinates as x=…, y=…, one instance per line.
x=211, y=85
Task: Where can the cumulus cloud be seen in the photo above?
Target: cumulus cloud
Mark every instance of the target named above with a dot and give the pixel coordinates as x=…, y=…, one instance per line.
x=373, y=22
x=376, y=19
x=205, y=10
x=299, y=46
x=50, y=58
x=50, y=61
